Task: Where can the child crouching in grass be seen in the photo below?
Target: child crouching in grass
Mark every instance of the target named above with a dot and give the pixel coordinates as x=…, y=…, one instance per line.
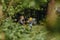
x=30, y=22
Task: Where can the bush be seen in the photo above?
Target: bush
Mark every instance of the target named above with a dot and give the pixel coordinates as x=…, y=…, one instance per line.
x=15, y=31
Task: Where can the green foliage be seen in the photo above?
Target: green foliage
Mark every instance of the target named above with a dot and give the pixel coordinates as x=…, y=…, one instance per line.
x=15, y=31
x=12, y=30
x=19, y=5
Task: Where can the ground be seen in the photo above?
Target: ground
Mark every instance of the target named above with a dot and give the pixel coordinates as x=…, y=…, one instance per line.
x=38, y=32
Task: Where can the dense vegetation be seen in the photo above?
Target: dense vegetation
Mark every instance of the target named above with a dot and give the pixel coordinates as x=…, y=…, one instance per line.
x=14, y=31
x=13, y=6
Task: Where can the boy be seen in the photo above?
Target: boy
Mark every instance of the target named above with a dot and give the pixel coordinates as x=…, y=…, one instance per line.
x=30, y=22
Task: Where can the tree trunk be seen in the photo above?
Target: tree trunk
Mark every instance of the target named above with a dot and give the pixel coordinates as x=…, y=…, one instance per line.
x=1, y=14
x=2, y=36
x=51, y=14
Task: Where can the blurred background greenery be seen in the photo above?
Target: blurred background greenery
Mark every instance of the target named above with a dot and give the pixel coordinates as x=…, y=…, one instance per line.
x=47, y=14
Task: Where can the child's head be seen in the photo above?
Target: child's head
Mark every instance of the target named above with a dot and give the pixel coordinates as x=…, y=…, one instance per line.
x=21, y=17
x=30, y=18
